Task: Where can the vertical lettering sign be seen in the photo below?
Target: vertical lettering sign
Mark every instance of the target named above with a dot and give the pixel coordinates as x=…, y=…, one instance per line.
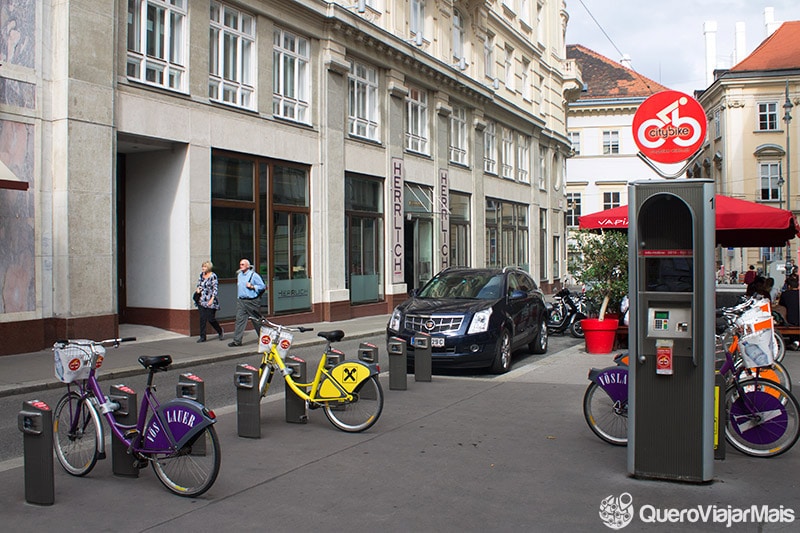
x=397, y=220
x=444, y=211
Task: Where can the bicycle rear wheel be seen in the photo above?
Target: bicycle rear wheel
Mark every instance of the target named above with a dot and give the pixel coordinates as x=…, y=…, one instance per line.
x=606, y=418
x=76, y=448
x=191, y=470
x=763, y=418
x=362, y=412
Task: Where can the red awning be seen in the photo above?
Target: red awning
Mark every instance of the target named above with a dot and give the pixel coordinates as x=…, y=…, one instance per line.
x=739, y=223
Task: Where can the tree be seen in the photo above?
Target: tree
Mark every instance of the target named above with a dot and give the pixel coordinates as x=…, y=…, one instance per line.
x=604, y=269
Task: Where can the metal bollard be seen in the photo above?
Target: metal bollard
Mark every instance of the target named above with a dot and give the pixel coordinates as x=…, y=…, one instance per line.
x=296, y=408
x=422, y=357
x=398, y=364
x=193, y=387
x=35, y=421
x=122, y=464
x=333, y=357
x=248, y=401
x=368, y=353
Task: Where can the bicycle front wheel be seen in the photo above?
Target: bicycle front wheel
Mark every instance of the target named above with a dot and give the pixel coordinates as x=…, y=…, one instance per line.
x=77, y=430
x=763, y=418
x=361, y=413
x=606, y=418
x=191, y=470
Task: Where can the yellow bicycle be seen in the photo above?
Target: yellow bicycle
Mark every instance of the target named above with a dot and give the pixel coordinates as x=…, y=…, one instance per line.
x=349, y=391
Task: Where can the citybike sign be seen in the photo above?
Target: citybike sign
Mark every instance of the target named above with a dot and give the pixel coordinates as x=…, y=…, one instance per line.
x=669, y=127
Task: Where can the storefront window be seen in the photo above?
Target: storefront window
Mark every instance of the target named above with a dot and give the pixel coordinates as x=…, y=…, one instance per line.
x=364, y=218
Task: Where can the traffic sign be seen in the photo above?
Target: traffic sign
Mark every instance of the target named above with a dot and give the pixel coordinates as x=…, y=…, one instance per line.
x=669, y=127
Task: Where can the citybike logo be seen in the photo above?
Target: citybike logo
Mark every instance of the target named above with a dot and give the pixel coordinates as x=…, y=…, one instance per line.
x=669, y=126
x=617, y=512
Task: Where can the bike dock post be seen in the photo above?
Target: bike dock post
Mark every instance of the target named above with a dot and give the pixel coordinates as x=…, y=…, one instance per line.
x=193, y=387
x=422, y=357
x=122, y=464
x=368, y=353
x=398, y=364
x=296, y=408
x=248, y=401
x=722, y=416
x=35, y=421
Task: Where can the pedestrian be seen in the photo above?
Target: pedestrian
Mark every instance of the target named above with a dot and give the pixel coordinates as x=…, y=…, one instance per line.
x=250, y=287
x=750, y=276
x=790, y=299
x=208, y=303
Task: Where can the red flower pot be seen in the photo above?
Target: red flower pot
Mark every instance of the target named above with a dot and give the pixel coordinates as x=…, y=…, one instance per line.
x=599, y=334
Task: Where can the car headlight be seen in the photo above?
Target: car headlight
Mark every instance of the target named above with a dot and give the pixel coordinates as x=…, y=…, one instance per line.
x=394, y=322
x=480, y=322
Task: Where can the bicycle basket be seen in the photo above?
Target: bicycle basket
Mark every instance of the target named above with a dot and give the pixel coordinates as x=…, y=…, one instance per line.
x=73, y=362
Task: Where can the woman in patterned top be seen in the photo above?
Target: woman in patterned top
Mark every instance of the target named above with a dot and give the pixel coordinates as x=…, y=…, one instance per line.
x=207, y=287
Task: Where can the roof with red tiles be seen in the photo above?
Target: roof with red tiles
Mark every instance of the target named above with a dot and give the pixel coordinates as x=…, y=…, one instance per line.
x=607, y=79
x=779, y=51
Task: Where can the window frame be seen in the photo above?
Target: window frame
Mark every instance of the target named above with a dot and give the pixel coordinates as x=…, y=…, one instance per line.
x=363, y=94
x=771, y=193
x=490, y=148
x=170, y=62
x=299, y=103
x=610, y=142
x=459, y=142
x=232, y=84
x=417, y=132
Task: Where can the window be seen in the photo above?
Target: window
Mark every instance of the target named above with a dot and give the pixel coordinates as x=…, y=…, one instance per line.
x=458, y=135
x=488, y=55
x=363, y=109
x=458, y=36
x=610, y=142
x=509, y=68
x=364, y=220
x=526, y=86
x=259, y=210
x=542, y=244
x=556, y=256
x=232, y=56
x=157, y=43
x=506, y=234
x=575, y=141
x=417, y=120
x=417, y=19
x=507, y=154
x=459, y=229
x=717, y=124
x=573, y=208
x=770, y=173
x=291, y=76
x=524, y=12
x=542, y=160
x=610, y=200
x=490, y=147
x=540, y=21
x=768, y=116
x=523, y=158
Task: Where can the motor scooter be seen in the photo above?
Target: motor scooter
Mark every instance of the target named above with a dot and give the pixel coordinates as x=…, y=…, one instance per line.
x=566, y=313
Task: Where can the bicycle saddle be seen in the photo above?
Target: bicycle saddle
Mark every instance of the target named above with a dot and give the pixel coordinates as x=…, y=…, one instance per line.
x=332, y=336
x=155, y=362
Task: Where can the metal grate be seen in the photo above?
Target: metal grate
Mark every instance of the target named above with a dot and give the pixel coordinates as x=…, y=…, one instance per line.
x=433, y=324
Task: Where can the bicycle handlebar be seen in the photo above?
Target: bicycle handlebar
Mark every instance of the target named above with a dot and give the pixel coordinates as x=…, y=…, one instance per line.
x=87, y=342
x=301, y=329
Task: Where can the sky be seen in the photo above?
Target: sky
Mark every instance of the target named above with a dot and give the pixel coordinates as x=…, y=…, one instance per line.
x=665, y=39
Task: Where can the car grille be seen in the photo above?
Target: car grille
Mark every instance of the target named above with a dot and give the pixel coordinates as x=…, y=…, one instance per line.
x=433, y=324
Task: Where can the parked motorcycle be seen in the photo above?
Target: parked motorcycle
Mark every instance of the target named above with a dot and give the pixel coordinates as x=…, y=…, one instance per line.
x=566, y=313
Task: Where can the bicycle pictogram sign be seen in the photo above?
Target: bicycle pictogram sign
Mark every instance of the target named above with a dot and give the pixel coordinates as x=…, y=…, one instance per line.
x=669, y=127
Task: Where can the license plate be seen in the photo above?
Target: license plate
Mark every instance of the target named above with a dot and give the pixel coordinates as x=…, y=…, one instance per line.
x=437, y=342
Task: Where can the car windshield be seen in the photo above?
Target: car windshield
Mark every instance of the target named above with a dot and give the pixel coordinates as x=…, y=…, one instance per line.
x=468, y=285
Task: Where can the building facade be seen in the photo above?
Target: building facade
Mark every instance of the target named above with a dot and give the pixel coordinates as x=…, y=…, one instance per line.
x=600, y=122
x=751, y=151
x=349, y=151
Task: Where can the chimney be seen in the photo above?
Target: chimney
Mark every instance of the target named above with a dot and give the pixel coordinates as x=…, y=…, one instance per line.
x=626, y=61
x=740, y=44
x=770, y=24
x=710, y=32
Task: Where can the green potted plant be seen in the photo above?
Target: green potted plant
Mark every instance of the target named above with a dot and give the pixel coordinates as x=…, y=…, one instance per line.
x=604, y=273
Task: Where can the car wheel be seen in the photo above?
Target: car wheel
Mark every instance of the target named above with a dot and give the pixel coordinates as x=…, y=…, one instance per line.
x=502, y=360
x=539, y=344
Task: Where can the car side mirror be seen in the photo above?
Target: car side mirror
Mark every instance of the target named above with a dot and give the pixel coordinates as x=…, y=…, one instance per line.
x=517, y=295
x=413, y=293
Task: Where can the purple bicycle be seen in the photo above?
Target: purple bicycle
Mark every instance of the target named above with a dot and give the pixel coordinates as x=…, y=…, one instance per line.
x=177, y=439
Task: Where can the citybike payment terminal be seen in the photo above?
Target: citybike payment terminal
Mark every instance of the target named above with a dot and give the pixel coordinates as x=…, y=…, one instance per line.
x=671, y=237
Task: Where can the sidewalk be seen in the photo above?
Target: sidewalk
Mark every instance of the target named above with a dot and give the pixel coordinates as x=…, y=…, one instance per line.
x=23, y=373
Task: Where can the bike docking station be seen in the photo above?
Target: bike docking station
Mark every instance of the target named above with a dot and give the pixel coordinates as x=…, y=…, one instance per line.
x=296, y=407
x=671, y=241
x=248, y=401
x=35, y=421
x=122, y=463
x=192, y=387
x=398, y=364
x=422, y=356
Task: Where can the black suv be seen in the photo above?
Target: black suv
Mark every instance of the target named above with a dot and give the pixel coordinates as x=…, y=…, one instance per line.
x=476, y=317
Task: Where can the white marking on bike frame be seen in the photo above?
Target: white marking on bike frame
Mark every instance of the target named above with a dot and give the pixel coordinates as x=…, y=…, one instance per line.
x=749, y=423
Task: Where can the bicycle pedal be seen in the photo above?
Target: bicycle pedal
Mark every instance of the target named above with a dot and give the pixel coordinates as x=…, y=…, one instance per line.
x=131, y=433
x=314, y=405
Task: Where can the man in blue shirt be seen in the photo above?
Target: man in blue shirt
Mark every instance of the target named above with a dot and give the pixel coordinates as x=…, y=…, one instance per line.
x=248, y=303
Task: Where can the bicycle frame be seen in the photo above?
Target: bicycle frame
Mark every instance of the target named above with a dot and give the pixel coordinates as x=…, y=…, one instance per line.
x=334, y=384
x=170, y=426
